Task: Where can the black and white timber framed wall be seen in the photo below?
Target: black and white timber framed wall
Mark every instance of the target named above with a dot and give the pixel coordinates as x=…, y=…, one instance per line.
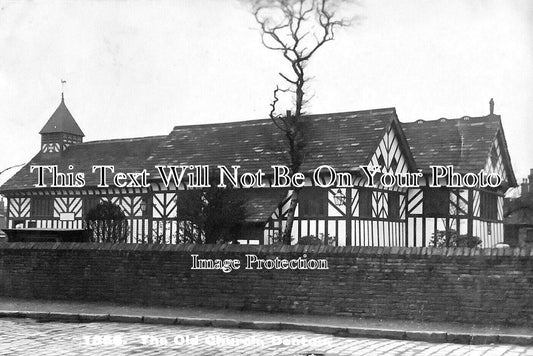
x=367, y=216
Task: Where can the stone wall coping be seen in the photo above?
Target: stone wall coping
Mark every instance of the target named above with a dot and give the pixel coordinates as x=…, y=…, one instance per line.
x=449, y=252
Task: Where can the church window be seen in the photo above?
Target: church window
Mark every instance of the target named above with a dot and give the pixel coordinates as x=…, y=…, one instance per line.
x=42, y=207
x=394, y=205
x=436, y=202
x=313, y=202
x=365, y=203
x=488, y=206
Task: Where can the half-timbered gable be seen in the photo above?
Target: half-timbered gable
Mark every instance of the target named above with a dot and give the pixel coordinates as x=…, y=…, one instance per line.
x=469, y=145
x=496, y=162
x=362, y=215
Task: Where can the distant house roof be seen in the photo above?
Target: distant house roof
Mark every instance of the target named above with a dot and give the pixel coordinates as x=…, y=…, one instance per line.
x=62, y=121
x=521, y=216
x=464, y=143
x=519, y=211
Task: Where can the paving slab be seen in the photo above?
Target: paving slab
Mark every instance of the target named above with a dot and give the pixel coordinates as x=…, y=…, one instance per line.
x=84, y=312
x=24, y=336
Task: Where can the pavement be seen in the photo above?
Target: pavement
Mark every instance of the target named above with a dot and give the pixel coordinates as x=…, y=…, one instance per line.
x=340, y=326
x=23, y=336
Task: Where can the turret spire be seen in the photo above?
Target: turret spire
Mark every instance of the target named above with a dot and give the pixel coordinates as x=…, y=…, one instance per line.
x=63, y=82
x=60, y=131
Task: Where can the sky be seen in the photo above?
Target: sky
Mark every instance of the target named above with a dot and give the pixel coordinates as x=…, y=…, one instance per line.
x=139, y=68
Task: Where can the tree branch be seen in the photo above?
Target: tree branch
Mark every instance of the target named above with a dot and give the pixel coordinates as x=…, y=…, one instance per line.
x=297, y=29
x=272, y=114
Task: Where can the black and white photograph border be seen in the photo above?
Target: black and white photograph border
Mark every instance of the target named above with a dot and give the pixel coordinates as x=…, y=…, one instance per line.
x=266, y=177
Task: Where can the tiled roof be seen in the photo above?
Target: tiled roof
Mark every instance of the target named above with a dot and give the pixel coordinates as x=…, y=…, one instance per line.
x=464, y=143
x=522, y=216
x=127, y=155
x=62, y=121
x=343, y=141
x=260, y=203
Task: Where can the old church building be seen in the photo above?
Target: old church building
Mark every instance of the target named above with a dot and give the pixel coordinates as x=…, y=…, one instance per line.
x=360, y=215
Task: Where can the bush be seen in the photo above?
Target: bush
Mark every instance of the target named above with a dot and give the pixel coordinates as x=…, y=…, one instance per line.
x=449, y=238
x=107, y=222
x=309, y=240
x=211, y=215
x=314, y=240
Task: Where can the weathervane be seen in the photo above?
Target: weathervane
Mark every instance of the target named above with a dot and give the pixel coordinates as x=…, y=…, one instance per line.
x=62, y=87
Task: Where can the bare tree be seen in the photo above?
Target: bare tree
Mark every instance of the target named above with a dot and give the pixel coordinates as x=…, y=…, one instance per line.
x=296, y=29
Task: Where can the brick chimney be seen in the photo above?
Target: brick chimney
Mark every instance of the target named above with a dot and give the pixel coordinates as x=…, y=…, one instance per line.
x=524, y=187
x=531, y=180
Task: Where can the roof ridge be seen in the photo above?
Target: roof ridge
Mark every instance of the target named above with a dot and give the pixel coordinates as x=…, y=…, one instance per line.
x=388, y=110
x=129, y=139
x=462, y=118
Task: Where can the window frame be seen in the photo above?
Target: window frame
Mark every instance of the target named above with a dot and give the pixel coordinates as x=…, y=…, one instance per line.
x=42, y=207
x=365, y=205
x=313, y=202
x=87, y=203
x=393, y=205
x=433, y=210
x=488, y=205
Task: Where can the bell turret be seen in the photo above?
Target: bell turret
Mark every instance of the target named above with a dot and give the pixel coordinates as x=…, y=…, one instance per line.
x=60, y=131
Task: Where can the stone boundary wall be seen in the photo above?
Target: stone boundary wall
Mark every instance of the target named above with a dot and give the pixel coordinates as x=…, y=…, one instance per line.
x=485, y=286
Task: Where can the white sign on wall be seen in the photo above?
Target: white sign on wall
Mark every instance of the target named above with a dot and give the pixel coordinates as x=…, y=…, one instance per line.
x=66, y=216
